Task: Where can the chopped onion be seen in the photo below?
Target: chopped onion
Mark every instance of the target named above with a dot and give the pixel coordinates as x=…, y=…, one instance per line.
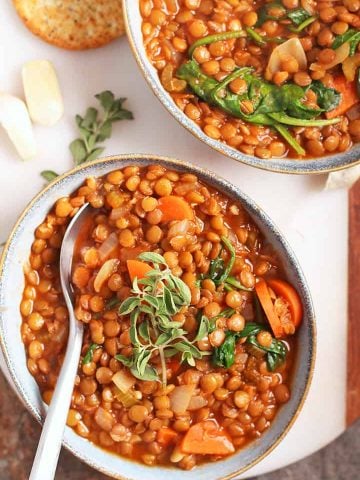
x=123, y=380
x=107, y=247
x=341, y=54
x=104, y=419
x=181, y=227
x=117, y=213
x=197, y=402
x=292, y=47
x=105, y=272
x=171, y=83
x=350, y=66
x=180, y=398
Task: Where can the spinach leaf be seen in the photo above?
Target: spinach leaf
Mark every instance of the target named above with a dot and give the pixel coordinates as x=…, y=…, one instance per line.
x=275, y=354
x=298, y=16
x=327, y=98
x=272, y=105
x=352, y=36
x=224, y=356
x=218, y=272
x=90, y=353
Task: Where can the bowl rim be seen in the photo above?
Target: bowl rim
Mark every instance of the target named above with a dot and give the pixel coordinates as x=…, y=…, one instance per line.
x=263, y=218
x=325, y=164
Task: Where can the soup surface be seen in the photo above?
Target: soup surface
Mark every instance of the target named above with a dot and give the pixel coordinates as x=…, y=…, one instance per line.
x=269, y=78
x=190, y=324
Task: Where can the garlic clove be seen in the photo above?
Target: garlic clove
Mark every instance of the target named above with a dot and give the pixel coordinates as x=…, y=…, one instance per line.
x=14, y=117
x=42, y=92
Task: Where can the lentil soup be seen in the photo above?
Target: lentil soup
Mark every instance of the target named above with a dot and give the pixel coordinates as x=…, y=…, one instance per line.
x=271, y=79
x=190, y=323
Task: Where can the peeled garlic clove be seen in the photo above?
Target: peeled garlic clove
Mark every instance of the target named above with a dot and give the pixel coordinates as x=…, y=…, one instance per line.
x=291, y=47
x=14, y=117
x=343, y=179
x=42, y=92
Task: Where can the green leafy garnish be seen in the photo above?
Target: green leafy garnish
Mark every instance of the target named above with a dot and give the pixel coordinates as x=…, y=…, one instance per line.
x=351, y=36
x=286, y=101
x=94, y=129
x=90, y=353
x=224, y=356
x=49, y=175
x=155, y=300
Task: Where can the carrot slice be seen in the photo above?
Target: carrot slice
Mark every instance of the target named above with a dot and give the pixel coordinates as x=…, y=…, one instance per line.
x=349, y=96
x=207, y=438
x=174, y=365
x=267, y=304
x=174, y=208
x=166, y=436
x=137, y=269
x=288, y=292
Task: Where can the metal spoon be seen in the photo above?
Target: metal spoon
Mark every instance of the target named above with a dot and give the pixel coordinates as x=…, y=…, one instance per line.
x=48, y=451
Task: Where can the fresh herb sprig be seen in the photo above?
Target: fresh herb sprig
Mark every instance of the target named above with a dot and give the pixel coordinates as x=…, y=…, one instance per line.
x=224, y=356
x=95, y=129
x=155, y=300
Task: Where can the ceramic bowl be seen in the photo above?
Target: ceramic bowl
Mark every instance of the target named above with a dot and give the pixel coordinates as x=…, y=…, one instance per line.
x=15, y=254
x=282, y=165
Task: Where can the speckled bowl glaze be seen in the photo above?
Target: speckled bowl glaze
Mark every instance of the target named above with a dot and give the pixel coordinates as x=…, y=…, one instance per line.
x=16, y=253
x=281, y=165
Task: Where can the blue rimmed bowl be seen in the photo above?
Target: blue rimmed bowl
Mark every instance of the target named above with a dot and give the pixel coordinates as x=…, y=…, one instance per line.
x=15, y=255
x=323, y=164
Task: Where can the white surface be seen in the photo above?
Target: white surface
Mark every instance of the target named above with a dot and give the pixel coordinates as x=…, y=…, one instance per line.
x=314, y=222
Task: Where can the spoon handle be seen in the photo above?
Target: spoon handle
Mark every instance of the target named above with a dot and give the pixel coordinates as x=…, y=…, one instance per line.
x=48, y=451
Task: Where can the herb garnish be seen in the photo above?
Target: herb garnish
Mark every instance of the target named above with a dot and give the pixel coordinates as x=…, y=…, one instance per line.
x=224, y=356
x=49, y=175
x=90, y=353
x=156, y=299
x=94, y=130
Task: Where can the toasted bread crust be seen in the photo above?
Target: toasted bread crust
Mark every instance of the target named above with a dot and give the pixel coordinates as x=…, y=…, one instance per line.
x=73, y=24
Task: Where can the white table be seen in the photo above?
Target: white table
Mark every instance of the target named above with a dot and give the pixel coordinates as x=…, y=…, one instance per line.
x=314, y=222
